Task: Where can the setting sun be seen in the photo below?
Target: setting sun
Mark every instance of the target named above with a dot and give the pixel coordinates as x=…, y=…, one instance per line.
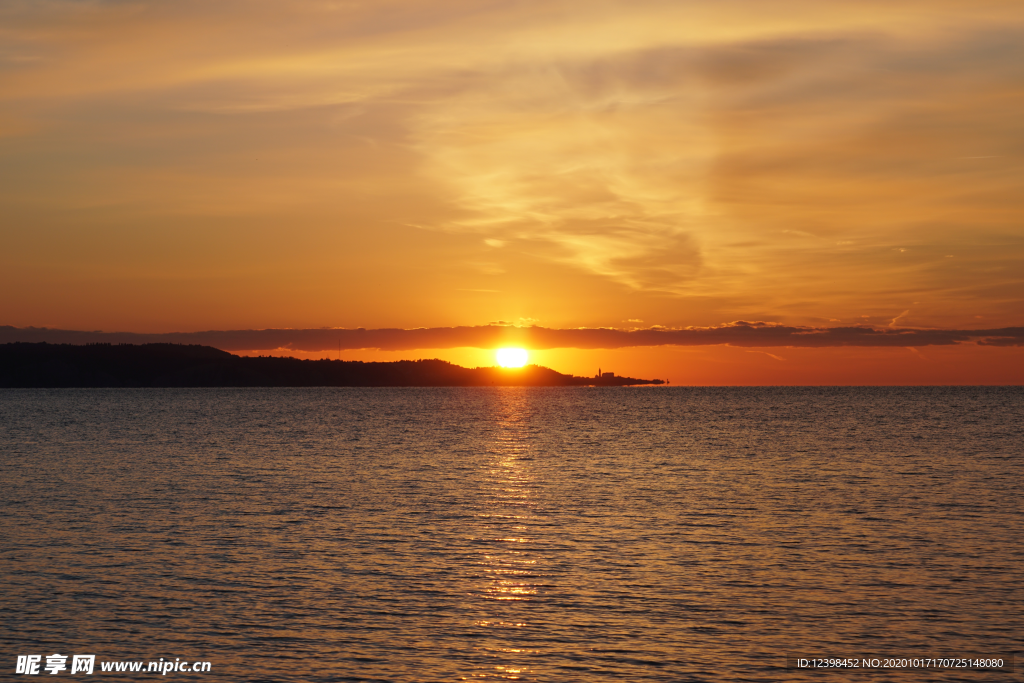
x=512, y=358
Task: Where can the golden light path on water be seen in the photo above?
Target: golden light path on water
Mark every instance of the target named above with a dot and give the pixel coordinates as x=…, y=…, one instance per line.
x=510, y=574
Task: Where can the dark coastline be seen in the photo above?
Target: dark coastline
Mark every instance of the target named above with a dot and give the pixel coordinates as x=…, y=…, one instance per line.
x=42, y=365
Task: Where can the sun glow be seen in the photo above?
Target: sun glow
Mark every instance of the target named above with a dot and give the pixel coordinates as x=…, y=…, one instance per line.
x=512, y=358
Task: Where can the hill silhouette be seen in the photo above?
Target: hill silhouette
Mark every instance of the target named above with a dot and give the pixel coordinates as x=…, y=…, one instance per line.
x=45, y=365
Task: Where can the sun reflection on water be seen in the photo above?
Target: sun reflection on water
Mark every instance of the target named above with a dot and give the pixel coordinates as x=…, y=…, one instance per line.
x=508, y=562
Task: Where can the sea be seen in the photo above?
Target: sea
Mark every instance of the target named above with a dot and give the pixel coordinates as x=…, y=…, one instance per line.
x=513, y=534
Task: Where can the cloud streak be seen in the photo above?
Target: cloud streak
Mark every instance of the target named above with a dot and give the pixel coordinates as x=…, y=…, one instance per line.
x=197, y=165
x=740, y=334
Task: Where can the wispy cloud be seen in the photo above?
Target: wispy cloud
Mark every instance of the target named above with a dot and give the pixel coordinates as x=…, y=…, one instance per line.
x=751, y=159
x=741, y=334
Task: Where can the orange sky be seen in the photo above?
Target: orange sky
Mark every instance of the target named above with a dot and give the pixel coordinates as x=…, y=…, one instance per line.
x=186, y=166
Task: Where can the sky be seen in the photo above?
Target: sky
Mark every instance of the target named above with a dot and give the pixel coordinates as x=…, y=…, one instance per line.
x=803, y=170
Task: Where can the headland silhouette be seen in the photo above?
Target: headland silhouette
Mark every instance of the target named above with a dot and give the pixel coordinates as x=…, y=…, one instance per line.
x=42, y=365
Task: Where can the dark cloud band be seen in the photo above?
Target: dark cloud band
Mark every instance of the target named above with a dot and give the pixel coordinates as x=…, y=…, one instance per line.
x=745, y=334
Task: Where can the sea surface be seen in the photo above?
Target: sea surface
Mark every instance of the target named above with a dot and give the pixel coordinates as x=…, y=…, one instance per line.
x=531, y=534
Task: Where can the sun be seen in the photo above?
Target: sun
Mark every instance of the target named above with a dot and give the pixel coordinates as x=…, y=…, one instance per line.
x=511, y=358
